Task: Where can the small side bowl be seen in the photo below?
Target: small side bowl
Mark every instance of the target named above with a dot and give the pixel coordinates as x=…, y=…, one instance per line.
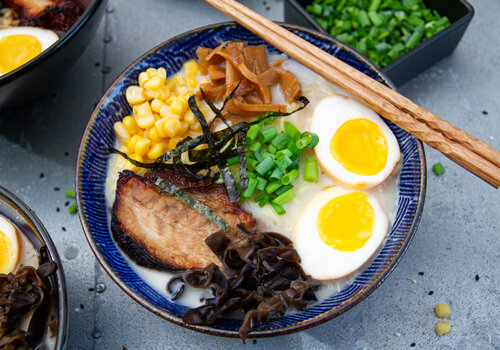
x=91, y=172
x=409, y=65
x=43, y=72
x=15, y=210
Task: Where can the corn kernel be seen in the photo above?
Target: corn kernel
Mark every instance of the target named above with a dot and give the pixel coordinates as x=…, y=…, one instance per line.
x=171, y=99
x=178, y=106
x=183, y=129
x=189, y=117
x=164, y=93
x=137, y=158
x=196, y=127
x=156, y=105
x=442, y=310
x=142, y=146
x=171, y=127
x=142, y=110
x=146, y=122
x=132, y=142
x=123, y=164
x=159, y=127
x=162, y=73
x=150, y=94
x=182, y=91
x=155, y=151
x=152, y=72
x=165, y=111
x=192, y=82
x=143, y=77
x=191, y=68
x=121, y=131
x=172, y=143
x=154, y=135
x=135, y=95
x=153, y=84
x=170, y=85
x=179, y=80
x=130, y=124
x=442, y=327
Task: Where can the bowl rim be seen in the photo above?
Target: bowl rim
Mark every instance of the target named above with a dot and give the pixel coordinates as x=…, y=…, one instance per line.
x=258, y=333
x=30, y=216
x=61, y=42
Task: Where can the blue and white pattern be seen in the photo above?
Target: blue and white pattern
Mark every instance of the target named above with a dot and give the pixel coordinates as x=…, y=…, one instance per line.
x=92, y=171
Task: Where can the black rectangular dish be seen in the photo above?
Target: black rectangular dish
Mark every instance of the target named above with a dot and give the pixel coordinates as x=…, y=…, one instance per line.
x=405, y=67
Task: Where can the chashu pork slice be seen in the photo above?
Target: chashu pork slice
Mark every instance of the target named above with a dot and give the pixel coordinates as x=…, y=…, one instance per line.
x=157, y=230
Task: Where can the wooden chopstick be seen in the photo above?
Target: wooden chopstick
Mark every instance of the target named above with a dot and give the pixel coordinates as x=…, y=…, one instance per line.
x=469, y=152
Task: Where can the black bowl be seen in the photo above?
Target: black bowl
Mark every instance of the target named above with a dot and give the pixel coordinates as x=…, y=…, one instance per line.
x=43, y=72
x=405, y=67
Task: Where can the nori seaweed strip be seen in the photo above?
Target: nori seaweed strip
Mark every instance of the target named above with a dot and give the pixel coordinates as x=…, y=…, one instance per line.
x=183, y=147
x=242, y=160
x=201, y=119
x=217, y=111
x=229, y=182
x=185, y=198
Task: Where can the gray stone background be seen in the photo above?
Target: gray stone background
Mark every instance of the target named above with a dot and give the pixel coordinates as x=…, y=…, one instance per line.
x=458, y=237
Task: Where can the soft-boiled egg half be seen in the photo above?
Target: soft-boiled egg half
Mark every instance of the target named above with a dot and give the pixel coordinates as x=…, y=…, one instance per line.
x=355, y=146
x=338, y=231
x=9, y=246
x=19, y=45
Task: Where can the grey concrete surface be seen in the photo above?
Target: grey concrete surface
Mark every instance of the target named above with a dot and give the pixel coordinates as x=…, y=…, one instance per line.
x=458, y=237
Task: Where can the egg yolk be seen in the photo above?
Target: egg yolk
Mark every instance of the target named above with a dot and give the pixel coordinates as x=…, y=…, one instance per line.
x=6, y=253
x=360, y=147
x=346, y=222
x=16, y=50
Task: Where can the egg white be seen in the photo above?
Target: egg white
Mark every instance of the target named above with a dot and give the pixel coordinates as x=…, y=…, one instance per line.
x=329, y=115
x=10, y=232
x=320, y=260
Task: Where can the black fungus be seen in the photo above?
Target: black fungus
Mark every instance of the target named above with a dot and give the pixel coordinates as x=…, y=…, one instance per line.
x=262, y=277
x=26, y=290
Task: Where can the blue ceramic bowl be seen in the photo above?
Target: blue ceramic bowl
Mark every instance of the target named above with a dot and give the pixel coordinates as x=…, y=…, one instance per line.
x=91, y=174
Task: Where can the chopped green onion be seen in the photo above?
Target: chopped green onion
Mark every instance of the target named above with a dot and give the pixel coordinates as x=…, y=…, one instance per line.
x=70, y=193
x=277, y=174
x=72, y=209
x=283, y=189
x=304, y=141
x=292, y=131
x=272, y=149
x=232, y=161
x=311, y=171
x=314, y=141
x=438, y=169
x=251, y=163
x=284, y=152
x=258, y=157
x=255, y=147
x=283, y=162
x=252, y=132
x=278, y=208
x=273, y=186
x=289, y=177
x=268, y=134
x=280, y=141
x=261, y=183
x=262, y=199
x=264, y=166
x=252, y=184
x=251, y=175
x=285, y=197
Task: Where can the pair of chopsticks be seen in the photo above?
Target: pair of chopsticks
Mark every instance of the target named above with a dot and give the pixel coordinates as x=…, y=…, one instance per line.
x=464, y=149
